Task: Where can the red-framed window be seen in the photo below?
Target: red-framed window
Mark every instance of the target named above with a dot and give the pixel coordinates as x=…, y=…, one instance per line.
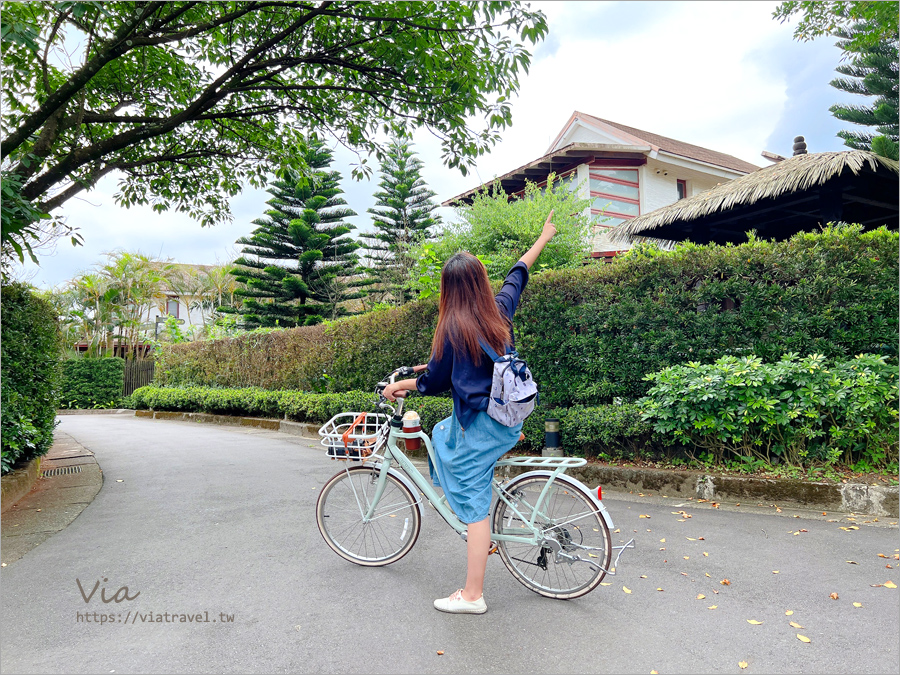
x=682, y=188
x=616, y=194
x=172, y=307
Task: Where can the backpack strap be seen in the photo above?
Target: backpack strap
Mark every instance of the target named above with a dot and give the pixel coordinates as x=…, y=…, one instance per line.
x=489, y=351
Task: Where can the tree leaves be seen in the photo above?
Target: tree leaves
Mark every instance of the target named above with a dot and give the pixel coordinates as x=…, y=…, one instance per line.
x=199, y=98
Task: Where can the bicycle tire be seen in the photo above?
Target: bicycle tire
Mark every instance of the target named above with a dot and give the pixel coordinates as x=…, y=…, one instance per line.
x=390, y=533
x=571, y=516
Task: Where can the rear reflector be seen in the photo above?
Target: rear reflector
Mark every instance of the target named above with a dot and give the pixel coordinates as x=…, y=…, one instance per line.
x=599, y=492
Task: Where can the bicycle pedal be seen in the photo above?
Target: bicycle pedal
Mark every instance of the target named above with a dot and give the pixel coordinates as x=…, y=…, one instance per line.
x=494, y=548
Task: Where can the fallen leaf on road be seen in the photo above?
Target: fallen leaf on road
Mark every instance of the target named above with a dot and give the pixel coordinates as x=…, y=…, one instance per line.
x=643, y=576
x=833, y=596
x=774, y=571
x=789, y=612
x=802, y=638
x=662, y=541
x=701, y=538
x=119, y=480
x=700, y=596
x=617, y=530
x=662, y=548
x=705, y=554
x=857, y=604
x=725, y=582
x=852, y=527
x=606, y=583
x=687, y=557
x=707, y=574
x=643, y=515
x=440, y=653
x=690, y=539
x=804, y=530
x=653, y=672
x=754, y=622
x=890, y=584
x=876, y=585
x=626, y=589
x=2, y=564
x=659, y=589
x=851, y=562
x=882, y=555
x=742, y=664
x=712, y=607
x=778, y=509
x=796, y=625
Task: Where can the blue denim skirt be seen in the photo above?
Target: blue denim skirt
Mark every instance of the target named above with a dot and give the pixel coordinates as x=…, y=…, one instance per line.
x=464, y=462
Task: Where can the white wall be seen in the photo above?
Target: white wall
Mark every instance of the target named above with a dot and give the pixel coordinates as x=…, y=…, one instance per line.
x=658, y=189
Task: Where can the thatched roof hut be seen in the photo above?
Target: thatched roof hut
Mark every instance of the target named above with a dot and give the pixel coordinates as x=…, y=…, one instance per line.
x=796, y=194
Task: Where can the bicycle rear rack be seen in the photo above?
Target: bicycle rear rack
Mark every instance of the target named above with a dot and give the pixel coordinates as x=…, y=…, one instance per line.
x=567, y=462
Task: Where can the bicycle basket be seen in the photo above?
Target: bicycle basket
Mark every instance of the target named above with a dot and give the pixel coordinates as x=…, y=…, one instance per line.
x=351, y=435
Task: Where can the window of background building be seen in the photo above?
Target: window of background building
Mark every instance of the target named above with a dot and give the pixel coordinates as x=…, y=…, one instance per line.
x=682, y=189
x=172, y=307
x=616, y=194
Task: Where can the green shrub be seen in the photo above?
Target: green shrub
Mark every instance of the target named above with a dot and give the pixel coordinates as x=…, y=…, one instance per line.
x=30, y=344
x=92, y=383
x=802, y=411
x=591, y=335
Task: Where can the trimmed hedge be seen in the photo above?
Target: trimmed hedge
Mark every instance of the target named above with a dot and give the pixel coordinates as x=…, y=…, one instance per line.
x=605, y=431
x=591, y=335
x=30, y=346
x=92, y=383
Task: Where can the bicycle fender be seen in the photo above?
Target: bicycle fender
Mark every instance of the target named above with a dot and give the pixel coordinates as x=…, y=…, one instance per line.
x=587, y=491
x=403, y=478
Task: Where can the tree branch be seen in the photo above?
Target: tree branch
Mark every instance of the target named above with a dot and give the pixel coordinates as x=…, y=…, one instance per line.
x=76, y=82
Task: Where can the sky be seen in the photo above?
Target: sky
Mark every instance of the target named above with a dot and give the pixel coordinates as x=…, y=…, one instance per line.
x=721, y=75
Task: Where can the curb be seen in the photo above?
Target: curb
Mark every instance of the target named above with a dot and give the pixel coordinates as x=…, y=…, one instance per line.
x=860, y=498
x=97, y=411
x=16, y=484
x=68, y=480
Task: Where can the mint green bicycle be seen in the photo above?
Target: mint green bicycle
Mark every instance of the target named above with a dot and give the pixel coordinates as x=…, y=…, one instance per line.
x=551, y=531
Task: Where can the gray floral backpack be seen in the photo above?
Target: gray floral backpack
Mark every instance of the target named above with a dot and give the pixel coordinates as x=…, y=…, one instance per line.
x=513, y=391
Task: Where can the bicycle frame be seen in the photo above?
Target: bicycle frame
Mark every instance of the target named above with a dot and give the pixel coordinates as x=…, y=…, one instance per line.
x=392, y=452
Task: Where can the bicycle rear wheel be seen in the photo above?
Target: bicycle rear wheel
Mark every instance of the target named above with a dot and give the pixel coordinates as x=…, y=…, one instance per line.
x=570, y=522
x=387, y=536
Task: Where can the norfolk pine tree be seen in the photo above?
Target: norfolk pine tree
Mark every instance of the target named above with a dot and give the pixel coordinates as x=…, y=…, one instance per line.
x=872, y=71
x=299, y=262
x=402, y=217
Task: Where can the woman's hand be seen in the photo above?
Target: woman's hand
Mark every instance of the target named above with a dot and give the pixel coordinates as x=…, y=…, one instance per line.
x=549, y=228
x=546, y=235
x=398, y=389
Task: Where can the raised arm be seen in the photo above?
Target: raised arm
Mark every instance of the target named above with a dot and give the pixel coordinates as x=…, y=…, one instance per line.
x=546, y=235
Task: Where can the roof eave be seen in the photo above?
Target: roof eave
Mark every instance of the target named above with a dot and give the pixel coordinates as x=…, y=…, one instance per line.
x=573, y=151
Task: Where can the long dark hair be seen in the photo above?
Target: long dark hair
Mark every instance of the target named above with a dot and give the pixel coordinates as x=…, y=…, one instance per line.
x=467, y=312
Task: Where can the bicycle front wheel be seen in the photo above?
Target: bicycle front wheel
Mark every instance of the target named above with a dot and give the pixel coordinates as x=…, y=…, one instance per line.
x=576, y=543
x=387, y=536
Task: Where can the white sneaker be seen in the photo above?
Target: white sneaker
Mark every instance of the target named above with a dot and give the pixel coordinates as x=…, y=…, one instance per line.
x=456, y=605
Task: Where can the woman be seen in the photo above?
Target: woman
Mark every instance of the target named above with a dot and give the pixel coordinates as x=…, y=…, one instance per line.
x=469, y=443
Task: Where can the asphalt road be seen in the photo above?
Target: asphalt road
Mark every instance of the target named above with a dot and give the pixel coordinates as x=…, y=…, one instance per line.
x=219, y=521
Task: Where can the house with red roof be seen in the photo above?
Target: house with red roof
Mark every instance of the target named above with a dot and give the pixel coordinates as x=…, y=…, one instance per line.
x=626, y=171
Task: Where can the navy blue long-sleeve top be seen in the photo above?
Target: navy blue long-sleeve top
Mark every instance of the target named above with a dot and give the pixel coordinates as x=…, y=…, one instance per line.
x=470, y=384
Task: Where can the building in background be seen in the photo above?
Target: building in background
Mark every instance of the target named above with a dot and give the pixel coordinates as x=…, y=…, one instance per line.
x=626, y=171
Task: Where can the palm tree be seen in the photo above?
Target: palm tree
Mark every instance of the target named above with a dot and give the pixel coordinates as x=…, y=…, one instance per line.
x=139, y=280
